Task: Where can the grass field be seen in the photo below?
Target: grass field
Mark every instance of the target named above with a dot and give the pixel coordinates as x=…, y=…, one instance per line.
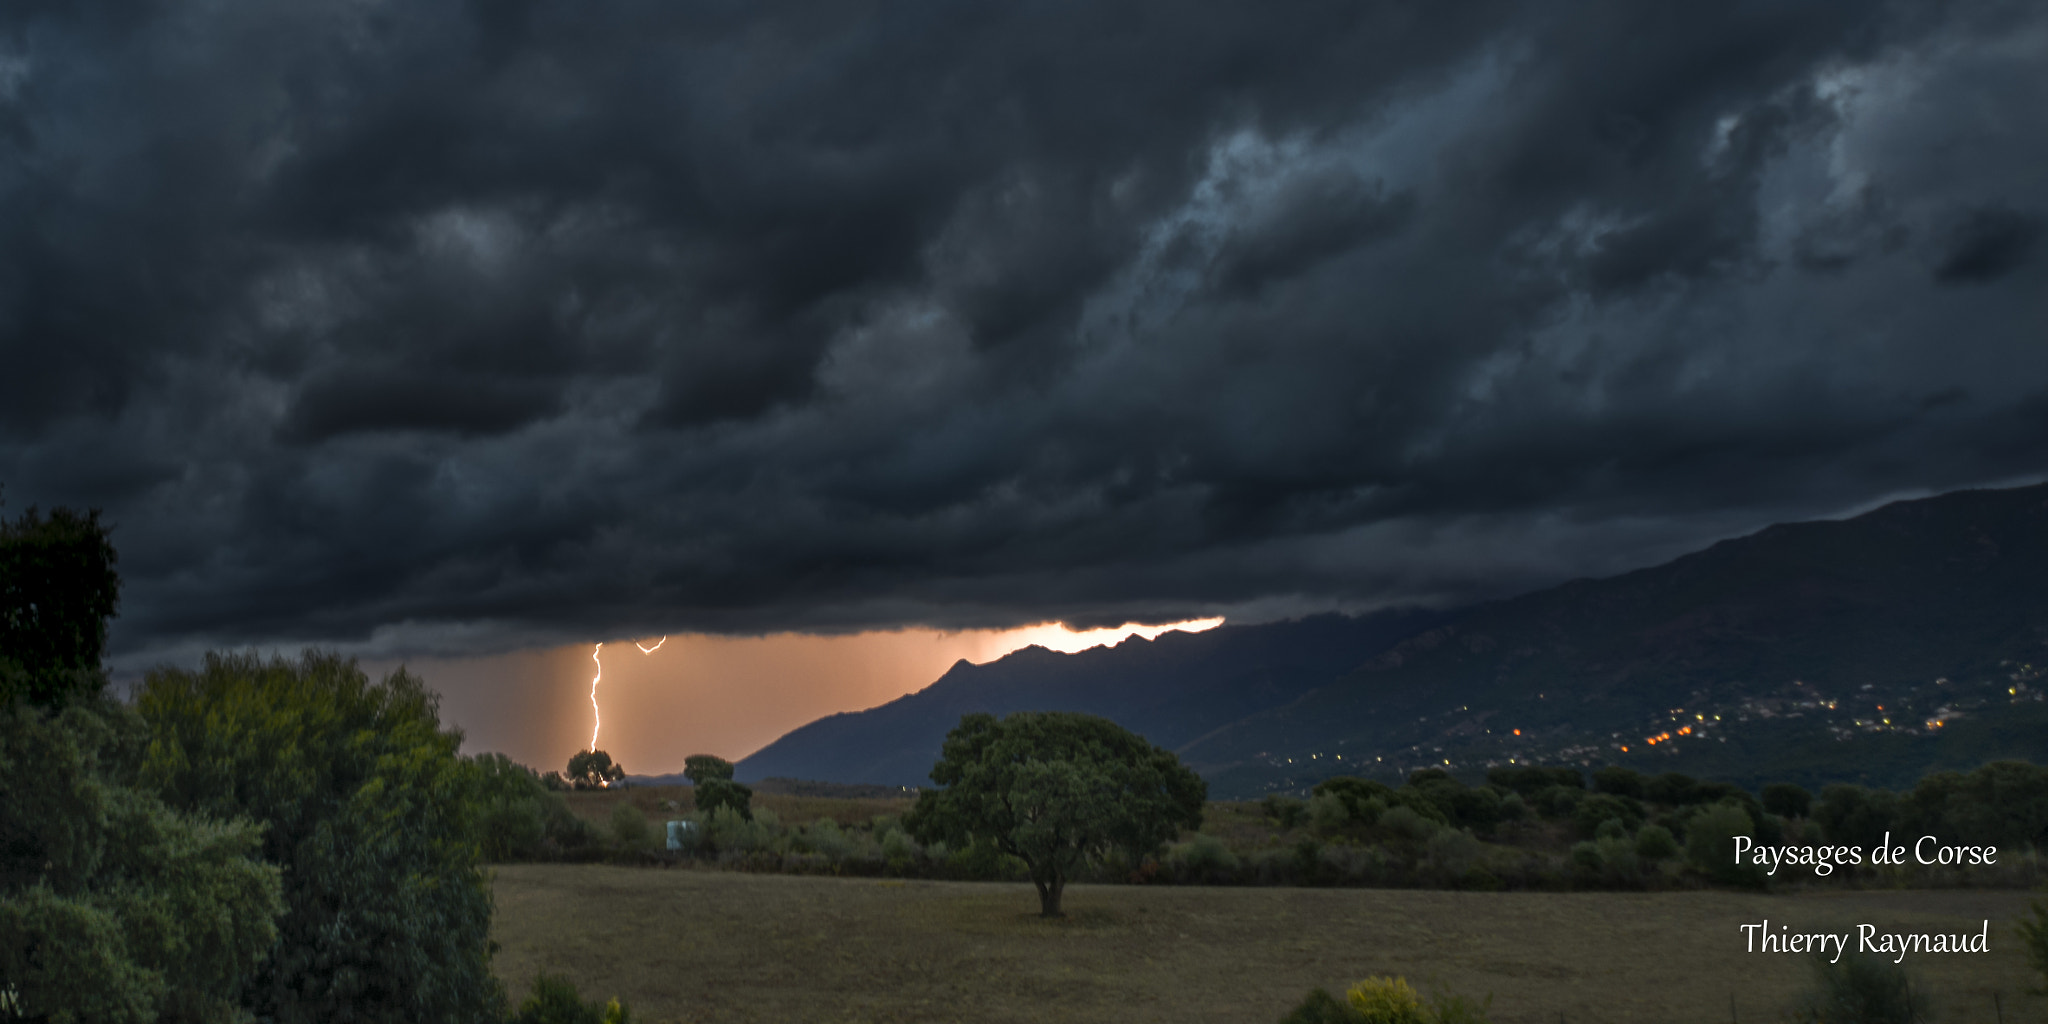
x=701, y=945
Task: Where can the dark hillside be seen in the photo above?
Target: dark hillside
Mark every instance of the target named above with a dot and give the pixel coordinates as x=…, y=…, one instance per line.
x=1172, y=690
x=1839, y=625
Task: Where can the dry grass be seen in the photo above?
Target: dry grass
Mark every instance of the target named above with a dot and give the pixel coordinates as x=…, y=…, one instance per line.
x=700, y=945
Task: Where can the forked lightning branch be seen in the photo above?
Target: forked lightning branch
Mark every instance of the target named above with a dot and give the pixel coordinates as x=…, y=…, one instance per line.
x=596, y=717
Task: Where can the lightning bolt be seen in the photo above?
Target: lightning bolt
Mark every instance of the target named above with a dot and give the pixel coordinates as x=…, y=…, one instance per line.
x=596, y=718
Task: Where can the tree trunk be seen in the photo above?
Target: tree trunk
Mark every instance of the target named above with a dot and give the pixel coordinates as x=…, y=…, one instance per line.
x=1049, y=896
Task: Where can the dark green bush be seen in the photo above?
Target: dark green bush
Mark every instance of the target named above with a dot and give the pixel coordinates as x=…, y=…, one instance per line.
x=1716, y=792
x=1440, y=790
x=1329, y=813
x=1859, y=989
x=1602, y=807
x=714, y=793
x=1320, y=1007
x=1855, y=816
x=630, y=828
x=1674, y=789
x=1530, y=780
x=1787, y=800
x=1203, y=859
x=1620, y=781
x=982, y=861
x=1558, y=801
x=1387, y=1001
x=1710, y=845
x=1655, y=843
x=2003, y=803
x=554, y=1000
x=1285, y=811
x=1421, y=804
x=2034, y=933
x=518, y=814
x=1513, y=807
x=1354, y=793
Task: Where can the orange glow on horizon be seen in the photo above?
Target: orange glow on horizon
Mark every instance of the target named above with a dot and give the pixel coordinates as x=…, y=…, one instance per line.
x=722, y=695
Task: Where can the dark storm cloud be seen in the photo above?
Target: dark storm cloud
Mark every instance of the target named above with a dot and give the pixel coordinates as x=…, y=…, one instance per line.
x=1987, y=245
x=451, y=326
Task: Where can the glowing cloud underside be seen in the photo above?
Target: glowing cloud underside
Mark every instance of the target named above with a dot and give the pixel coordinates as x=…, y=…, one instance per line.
x=597, y=719
x=1057, y=637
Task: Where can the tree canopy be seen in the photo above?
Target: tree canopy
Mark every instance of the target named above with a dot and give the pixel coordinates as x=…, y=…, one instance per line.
x=368, y=808
x=112, y=906
x=1055, y=789
x=593, y=769
x=58, y=587
x=711, y=779
x=699, y=767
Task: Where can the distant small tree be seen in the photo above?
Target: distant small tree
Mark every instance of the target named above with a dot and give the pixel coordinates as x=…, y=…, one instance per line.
x=1056, y=790
x=698, y=767
x=593, y=769
x=712, y=778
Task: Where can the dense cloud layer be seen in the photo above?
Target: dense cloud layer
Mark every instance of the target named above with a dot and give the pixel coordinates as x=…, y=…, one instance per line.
x=453, y=326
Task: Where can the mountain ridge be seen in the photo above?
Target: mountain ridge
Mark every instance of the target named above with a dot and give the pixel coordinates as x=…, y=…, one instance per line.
x=1836, y=624
x=1172, y=689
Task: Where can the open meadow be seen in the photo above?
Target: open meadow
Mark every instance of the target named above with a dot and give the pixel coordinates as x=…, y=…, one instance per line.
x=703, y=945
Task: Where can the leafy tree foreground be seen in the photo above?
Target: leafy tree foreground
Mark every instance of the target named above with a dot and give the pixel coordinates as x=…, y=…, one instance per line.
x=113, y=907
x=369, y=811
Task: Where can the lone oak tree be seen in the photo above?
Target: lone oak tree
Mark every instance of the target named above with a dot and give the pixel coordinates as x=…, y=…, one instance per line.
x=1056, y=790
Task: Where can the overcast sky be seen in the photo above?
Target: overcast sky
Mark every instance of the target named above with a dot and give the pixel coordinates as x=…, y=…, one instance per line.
x=450, y=328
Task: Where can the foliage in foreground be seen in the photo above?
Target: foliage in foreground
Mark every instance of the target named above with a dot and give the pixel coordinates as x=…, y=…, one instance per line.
x=58, y=587
x=520, y=818
x=1862, y=989
x=554, y=1000
x=2034, y=934
x=1056, y=790
x=112, y=906
x=1380, y=1000
x=369, y=810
